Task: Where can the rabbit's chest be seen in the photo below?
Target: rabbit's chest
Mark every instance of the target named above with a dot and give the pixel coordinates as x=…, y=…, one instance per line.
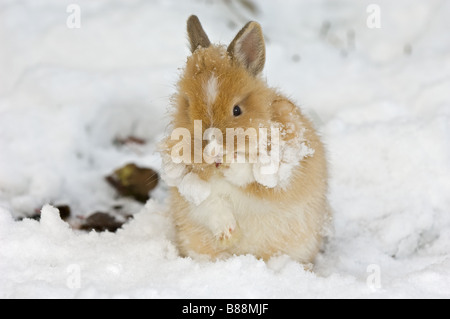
x=243, y=205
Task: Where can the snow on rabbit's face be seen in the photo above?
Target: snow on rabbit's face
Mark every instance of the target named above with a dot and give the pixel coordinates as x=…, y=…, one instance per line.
x=222, y=105
x=222, y=101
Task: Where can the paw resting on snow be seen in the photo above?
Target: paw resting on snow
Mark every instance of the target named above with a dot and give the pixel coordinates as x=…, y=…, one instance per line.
x=222, y=226
x=216, y=214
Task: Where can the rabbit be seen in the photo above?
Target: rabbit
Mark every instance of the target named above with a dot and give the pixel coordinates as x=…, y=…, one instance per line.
x=222, y=207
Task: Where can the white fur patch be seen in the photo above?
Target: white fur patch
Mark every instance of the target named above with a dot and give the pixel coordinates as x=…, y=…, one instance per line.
x=240, y=174
x=211, y=89
x=216, y=213
x=194, y=189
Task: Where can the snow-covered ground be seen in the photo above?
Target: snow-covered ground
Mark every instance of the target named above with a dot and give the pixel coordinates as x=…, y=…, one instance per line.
x=380, y=97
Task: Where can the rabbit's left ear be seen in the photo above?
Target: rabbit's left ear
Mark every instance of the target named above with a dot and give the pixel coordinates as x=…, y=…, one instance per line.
x=249, y=49
x=197, y=36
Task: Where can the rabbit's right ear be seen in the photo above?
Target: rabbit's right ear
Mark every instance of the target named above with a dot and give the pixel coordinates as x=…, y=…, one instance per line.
x=197, y=36
x=248, y=48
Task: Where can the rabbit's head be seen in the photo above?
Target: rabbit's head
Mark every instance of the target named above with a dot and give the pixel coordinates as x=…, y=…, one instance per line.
x=221, y=91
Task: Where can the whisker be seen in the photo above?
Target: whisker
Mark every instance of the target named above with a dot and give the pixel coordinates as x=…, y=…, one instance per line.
x=150, y=179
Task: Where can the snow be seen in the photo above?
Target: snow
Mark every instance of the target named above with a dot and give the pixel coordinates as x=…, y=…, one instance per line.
x=274, y=170
x=378, y=96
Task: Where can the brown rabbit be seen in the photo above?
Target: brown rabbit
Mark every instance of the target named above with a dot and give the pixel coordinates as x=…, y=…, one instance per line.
x=224, y=207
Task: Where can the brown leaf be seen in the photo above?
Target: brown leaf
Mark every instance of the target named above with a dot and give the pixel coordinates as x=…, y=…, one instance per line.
x=134, y=181
x=101, y=222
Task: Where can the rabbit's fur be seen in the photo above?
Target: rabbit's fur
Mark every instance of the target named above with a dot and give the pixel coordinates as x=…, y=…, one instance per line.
x=237, y=210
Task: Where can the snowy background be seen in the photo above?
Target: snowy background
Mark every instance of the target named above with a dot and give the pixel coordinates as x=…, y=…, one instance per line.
x=380, y=97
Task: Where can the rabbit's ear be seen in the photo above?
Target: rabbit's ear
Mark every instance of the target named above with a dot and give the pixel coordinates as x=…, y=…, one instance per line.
x=197, y=36
x=248, y=48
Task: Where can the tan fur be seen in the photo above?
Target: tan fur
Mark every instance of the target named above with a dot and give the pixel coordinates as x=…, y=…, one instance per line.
x=269, y=221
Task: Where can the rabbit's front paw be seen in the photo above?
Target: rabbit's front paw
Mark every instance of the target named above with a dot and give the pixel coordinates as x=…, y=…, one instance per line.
x=226, y=233
x=216, y=214
x=223, y=227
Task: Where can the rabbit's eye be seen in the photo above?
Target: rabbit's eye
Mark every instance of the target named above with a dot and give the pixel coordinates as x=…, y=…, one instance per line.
x=237, y=110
